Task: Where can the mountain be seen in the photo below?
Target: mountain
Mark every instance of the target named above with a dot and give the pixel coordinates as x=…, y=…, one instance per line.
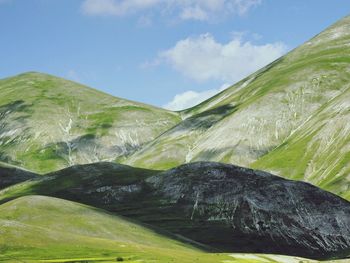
x=147, y=184
x=48, y=123
x=291, y=118
x=230, y=208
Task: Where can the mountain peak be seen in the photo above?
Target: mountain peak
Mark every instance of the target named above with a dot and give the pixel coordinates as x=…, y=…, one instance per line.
x=49, y=123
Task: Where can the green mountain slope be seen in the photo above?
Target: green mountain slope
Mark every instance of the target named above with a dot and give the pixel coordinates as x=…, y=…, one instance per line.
x=48, y=123
x=290, y=118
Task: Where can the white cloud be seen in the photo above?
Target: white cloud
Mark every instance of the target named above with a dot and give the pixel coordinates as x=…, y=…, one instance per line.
x=73, y=75
x=195, y=13
x=114, y=7
x=203, y=58
x=191, y=98
x=243, y=6
x=183, y=9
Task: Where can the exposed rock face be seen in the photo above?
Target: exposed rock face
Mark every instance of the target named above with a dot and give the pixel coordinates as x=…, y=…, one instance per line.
x=227, y=207
x=10, y=176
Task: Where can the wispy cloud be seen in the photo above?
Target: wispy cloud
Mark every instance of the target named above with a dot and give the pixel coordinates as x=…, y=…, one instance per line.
x=191, y=98
x=117, y=8
x=182, y=9
x=203, y=58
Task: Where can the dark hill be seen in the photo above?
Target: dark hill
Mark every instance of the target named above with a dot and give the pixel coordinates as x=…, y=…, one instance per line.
x=227, y=207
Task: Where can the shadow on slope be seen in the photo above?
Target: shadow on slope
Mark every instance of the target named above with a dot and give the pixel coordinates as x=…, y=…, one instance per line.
x=230, y=208
x=10, y=175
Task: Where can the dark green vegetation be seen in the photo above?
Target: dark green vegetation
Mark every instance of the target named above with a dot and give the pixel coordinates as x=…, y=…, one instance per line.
x=225, y=207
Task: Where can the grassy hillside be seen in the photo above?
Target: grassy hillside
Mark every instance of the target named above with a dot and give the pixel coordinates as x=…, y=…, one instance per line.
x=45, y=229
x=48, y=123
x=319, y=151
x=37, y=227
x=290, y=118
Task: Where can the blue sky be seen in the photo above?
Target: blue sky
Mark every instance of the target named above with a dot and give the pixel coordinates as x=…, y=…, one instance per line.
x=162, y=52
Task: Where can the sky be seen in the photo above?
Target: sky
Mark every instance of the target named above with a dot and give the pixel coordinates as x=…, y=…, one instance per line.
x=168, y=53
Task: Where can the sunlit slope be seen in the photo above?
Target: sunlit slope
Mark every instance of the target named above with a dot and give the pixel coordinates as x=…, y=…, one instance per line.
x=296, y=106
x=319, y=151
x=48, y=123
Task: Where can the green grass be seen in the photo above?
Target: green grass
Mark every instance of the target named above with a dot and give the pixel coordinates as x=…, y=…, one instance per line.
x=36, y=227
x=317, y=152
x=284, y=114
x=46, y=229
x=38, y=107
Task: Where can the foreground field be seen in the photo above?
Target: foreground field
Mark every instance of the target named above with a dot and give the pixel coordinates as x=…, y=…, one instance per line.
x=46, y=229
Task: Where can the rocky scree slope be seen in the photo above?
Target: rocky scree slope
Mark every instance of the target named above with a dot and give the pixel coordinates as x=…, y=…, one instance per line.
x=48, y=123
x=227, y=207
x=291, y=118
